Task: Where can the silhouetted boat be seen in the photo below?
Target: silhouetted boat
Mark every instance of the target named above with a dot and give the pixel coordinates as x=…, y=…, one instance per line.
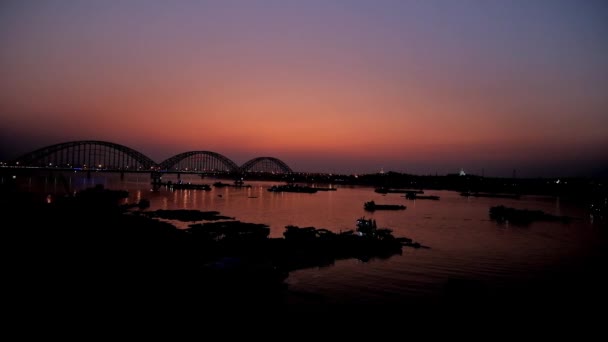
x=414, y=196
x=366, y=227
x=434, y=198
x=480, y=194
x=292, y=188
x=371, y=206
x=397, y=191
x=237, y=184
x=187, y=186
x=522, y=216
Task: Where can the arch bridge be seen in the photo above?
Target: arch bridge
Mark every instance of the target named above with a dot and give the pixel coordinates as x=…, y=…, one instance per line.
x=199, y=161
x=107, y=156
x=86, y=154
x=266, y=164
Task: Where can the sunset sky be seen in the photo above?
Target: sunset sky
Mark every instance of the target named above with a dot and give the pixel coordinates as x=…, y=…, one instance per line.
x=329, y=86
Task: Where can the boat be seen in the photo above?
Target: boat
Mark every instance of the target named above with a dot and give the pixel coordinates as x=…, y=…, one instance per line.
x=371, y=206
x=292, y=188
x=384, y=190
x=326, y=189
x=366, y=226
x=480, y=194
x=237, y=184
x=414, y=196
x=430, y=197
x=503, y=214
x=181, y=185
x=191, y=186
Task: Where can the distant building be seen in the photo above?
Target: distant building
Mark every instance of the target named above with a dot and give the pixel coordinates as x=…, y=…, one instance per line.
x=462, y=173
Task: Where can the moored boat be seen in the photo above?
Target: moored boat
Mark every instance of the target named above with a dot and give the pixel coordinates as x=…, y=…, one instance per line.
x=414, y=196
x=371, y=206
x=181, y=185
x=292, y=188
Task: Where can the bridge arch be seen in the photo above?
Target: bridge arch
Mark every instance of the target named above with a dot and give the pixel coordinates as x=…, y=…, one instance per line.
x=199, y=161
x=87, y=154
x=266, y=164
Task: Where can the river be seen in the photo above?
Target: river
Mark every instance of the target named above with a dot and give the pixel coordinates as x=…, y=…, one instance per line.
x=468, y=251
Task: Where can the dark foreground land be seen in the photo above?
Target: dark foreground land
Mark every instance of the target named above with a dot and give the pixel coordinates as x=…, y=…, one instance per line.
x=86, y=251
x=89, y=250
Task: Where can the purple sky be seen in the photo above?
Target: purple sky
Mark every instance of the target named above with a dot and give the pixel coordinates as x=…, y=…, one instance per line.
x=328, y=86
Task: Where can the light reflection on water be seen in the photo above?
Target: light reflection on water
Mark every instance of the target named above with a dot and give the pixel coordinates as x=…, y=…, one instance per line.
x=465, y=243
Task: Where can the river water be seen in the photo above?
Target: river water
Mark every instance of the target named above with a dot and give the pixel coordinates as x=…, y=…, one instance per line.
x=467, y=249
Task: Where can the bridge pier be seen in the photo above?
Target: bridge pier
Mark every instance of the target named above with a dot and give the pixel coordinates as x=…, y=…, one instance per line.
x=88, y=174
x=122, y=175
x=179, y=175
x=156, y=180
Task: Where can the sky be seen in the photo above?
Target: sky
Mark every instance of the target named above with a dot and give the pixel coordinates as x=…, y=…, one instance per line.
x=421, y=87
